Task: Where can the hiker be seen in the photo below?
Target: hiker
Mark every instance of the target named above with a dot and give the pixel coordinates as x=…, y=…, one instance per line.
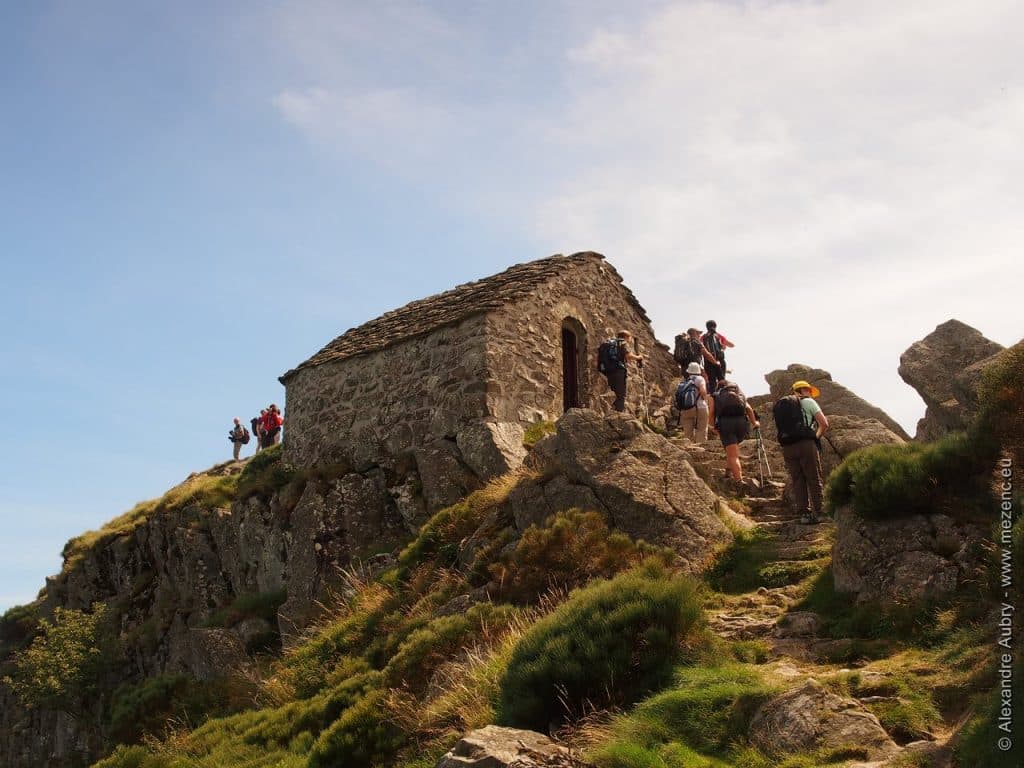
x=692, y=404
x=612, y=357
x=800, y=423
x=732, y=416
x=256, y=422
x=689, y=349
x=238, y=436
x=272, y=422
x=715, y=344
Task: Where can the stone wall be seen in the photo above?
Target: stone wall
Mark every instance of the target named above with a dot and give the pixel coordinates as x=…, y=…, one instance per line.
x=368, y=408
x=524, y=348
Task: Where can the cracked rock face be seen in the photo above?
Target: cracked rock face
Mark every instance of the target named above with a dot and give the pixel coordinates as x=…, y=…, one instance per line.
x=904, y=559
x=945, y=369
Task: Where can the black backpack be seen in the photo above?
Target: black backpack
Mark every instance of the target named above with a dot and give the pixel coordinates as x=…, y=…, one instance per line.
x=681, y=352
x=729, y=401
x=610, y=356
x=245, y=436
x=687, y=395
x=789, y=421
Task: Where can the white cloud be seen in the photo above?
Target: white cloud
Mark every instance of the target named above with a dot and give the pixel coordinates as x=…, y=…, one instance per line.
x=830, y=180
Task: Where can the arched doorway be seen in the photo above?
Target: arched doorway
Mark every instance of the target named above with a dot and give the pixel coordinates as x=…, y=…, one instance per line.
x=574, y=355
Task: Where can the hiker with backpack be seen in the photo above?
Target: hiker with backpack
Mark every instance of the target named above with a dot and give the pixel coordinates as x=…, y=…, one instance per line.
x=256, y=422
x=715, y=344
x=800, y=424
x=238, y=436
x=612, y=357
x=732, y=416
x=690, y=349
x=692, y=403
x=271, y=425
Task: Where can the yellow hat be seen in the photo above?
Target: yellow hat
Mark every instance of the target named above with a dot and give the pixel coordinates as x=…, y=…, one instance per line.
x=804, y=385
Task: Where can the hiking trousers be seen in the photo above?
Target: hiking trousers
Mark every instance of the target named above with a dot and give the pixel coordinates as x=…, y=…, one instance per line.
x=617, y=383
x=695, y=424
x=804, y=464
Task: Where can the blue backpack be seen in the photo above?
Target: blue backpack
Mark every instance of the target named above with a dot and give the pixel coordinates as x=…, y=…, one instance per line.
x=687, y=395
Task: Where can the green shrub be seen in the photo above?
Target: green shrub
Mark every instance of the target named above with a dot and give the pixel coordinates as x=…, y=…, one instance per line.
x=883, y=481
x=64, y=663
x=438, y=641
x=608, y=644
x=568, y=550
x=361, y=737
x=979, y=743
x=147, y=706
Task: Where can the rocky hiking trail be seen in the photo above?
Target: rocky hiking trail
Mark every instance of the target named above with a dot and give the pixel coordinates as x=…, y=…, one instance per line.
x=757, y=599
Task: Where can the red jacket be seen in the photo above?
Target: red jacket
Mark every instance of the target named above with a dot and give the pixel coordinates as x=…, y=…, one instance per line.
x=272, y=420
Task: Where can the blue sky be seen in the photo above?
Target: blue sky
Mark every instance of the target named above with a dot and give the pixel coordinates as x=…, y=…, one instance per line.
x=195, y=198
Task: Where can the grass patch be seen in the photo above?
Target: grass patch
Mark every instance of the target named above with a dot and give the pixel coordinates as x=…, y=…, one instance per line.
x=695, y=722
x=752, y=561
x=260, y=605
x=536, y=431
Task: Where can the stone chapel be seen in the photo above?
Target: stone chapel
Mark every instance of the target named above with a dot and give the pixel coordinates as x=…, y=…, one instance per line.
x=471, y=368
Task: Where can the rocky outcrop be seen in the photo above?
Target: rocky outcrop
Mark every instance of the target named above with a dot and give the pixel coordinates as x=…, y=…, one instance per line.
x=497, y=747
x=809, y=717
x=905, y=559
x=945, y=369
x=644, y=483
x=835, y=399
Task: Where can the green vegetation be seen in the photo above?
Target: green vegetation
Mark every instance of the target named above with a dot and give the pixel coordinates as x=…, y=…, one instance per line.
x=752, y=561
x=696, y=722
x=883, y=481
x=18, y=626
x=536, y=431
x=608, y=644
x=259, y=605
x=63, y=664
x=567, y=551
x=265, y=473
x=146, y=707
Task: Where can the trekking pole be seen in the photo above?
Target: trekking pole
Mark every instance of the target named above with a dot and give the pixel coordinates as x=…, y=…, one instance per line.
x=760, y=462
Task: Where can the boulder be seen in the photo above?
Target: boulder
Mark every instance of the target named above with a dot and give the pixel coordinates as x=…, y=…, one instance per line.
x=491, y=448
x=835, y=399
x=495, y=747
x=444, y=477
x=944, y=368
x=644, y=483
x=905, y=559
x=809, y=717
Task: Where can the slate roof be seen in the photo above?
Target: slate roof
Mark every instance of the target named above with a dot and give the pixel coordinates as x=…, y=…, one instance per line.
x=424, y=316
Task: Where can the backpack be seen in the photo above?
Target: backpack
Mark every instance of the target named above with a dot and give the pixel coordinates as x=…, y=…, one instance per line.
x=730, y=402
x=687, y=395
x=714, y=346
x=245, y=436
x=681, y=352
x=610, y=356
x=789, y=421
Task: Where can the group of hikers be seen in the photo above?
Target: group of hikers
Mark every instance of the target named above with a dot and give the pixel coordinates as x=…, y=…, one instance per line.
x=707, y=400
x=266, y=427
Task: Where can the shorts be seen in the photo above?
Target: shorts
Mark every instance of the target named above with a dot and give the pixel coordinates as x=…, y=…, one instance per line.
x=733, y=429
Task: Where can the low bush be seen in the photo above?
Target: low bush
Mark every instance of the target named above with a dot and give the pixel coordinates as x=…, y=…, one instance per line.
x=18, y=626
x=147, y=707
x=567, y=551
x=610, y=643
x=362, y=736
x=882, y=481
